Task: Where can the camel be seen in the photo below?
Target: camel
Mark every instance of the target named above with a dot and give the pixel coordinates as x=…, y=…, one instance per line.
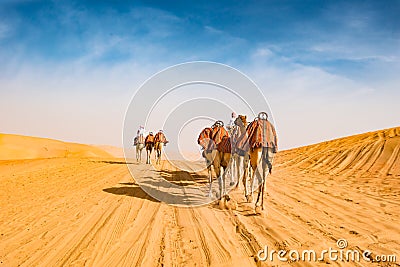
x=139, y=144
x=261, y=144
x=159, y=141
x=216, y=152
x=240, y=158
x=149, y=144
x=204, y=141
x=221, y=154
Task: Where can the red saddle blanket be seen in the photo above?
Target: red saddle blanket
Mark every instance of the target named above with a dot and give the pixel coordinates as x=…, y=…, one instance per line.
x=225, y=145
x=217, y=135
x=259, y=133
x=204, y=137
x=149, y=139
x=160, y=137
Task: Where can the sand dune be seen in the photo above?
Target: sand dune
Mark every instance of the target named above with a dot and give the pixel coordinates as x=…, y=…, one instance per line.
x=375, y=153
x=26, y=147
x=90, y=212
x=114, y=151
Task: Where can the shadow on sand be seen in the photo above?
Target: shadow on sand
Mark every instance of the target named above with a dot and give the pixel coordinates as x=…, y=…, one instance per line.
x=113, y=162
x=129, y=183
x=183, y=178
x=130, y=191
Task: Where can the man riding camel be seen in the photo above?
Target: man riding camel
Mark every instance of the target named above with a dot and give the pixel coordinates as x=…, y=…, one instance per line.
x=139, y=139
x=231, y=124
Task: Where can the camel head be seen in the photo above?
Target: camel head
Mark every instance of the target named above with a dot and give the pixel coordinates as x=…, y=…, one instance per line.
x=241, y=120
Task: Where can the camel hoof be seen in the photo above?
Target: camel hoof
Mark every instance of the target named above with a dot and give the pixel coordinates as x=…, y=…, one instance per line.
x=258, y=210
x=249, y=198
x=232, y=183
x=221, y=204
x=231, y=204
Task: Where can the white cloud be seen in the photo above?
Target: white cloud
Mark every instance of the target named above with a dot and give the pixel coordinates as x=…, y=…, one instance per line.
x=213, y=30
x=263, y=52
x=5, y=30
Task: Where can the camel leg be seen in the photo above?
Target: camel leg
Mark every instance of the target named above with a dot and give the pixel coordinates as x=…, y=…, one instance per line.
x=216, y=157
x=209, y=169
x=262, y=187
x=218, y=172
x=267, y=168
x=148, y=153
x=261, y=173
x=262, y=192
x=239, y=169
x=236, y=169
x=232, y=169
x=255, y=162
x=160, y=153
x=221, y=184
x=259, y=190
x=253, y=179
x=246, y=175
x=209, y=179
x=157, y=150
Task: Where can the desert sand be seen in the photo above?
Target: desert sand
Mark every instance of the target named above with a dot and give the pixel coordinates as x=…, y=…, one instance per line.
x=26, y=147
x=75, y=205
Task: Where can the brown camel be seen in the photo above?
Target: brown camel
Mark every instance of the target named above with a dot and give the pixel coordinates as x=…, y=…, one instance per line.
x=159, y=141
x=261, y=142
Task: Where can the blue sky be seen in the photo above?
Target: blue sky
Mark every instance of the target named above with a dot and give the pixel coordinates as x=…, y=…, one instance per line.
x=320, y=60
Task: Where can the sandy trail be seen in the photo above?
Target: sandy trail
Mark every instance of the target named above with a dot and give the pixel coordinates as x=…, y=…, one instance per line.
x=90, y=212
